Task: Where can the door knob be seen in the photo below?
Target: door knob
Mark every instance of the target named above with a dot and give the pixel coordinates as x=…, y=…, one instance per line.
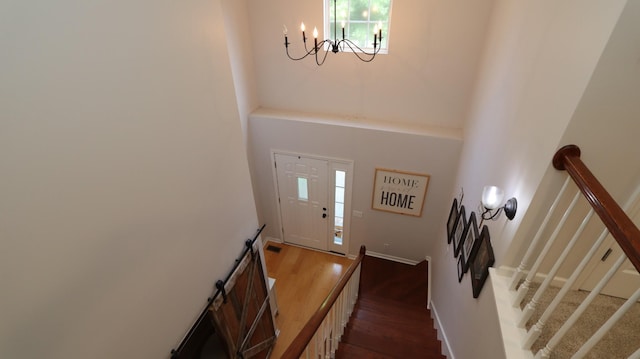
x=324, y=215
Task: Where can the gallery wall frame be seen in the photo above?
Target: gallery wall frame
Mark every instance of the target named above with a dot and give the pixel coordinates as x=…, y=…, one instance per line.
x=451, y=221
x=481, y=259
x=461, y=225
x=399, y=192
x=469, y=241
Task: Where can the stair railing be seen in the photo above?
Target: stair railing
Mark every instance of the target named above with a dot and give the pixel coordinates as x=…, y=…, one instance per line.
x=319, y=338
x=617, y=223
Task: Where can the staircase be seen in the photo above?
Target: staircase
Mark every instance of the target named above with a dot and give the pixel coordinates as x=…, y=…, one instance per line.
x=390, y=319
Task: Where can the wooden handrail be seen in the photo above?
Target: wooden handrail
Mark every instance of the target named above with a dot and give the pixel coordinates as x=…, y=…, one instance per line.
x=298, y=345
x=612, y=215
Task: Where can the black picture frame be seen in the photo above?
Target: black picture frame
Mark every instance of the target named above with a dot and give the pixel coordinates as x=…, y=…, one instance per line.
x=460, y=269
x=481, y=259
x=461, y=225
x=451, y=221
x=469, y=241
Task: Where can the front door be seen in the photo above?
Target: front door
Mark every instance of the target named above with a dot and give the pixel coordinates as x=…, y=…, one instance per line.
x=303, y=196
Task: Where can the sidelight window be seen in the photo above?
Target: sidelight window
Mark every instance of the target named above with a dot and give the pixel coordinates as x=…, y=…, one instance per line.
x=338, y=221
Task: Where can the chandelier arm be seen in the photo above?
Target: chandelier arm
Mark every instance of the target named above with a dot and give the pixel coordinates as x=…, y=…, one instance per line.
x=352, y=45
x=323, y=58
x=363, y=59
x=309, y=52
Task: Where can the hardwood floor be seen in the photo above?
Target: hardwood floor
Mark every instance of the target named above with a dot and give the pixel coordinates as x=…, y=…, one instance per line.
x=303, y=279
x=389, y=321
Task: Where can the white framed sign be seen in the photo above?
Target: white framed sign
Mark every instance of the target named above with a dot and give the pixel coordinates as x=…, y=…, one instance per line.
x=399, y=192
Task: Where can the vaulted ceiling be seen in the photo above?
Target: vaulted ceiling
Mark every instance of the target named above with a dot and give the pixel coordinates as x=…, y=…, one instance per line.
x=427, y=77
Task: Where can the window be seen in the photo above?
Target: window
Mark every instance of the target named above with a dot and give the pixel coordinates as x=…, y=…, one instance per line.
x=338, y=221
x=303, y=189
x=360, y=18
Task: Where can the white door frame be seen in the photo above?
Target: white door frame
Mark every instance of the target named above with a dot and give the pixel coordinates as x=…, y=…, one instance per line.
x=333, y=165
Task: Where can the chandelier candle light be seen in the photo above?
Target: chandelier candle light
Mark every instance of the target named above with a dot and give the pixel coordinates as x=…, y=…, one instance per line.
x=335, y=45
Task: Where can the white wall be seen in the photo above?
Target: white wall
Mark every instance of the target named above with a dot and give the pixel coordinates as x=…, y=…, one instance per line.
x=125, y=187
x=605, y=126
x=369, y=145
x=236, y=22
x=538, y=60
x=427, y=78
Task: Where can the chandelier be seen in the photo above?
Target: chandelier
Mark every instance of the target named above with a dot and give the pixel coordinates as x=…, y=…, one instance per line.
x=336, y=45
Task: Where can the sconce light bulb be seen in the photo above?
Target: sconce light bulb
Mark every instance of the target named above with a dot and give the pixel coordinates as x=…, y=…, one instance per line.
x=492, y=197
x=302, y=26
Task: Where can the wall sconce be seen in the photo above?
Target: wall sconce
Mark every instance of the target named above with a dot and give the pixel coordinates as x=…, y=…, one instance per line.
x=492, y=199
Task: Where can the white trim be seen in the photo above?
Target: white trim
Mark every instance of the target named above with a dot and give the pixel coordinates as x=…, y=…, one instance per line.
x=442, y=336
x=392, y=258
x=428, y=259
x=356, y=122
x=347, y=168
x=342, y=163
x=272, y=239
x=508, y=317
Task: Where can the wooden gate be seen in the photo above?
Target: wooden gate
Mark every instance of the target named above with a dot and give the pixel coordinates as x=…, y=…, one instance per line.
x=242, y=314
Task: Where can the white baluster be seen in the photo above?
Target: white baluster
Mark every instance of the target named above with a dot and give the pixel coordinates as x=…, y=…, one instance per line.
x=521, y=293
x=545, y=284
x=319, y=344
x=565, y=288
x=595, y=338
x=543, y=254
x=337, y=323
x=533, y=334
x=341, y=310
x=519, y=273
x=553, y=342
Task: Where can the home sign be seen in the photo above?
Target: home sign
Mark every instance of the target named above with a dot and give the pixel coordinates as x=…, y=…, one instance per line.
x=399, y=192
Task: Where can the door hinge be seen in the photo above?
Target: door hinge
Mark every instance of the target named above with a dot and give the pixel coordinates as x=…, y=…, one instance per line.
x=606, y=255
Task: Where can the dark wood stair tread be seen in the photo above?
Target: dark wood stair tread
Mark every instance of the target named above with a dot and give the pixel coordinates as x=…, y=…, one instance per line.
x=390, y=319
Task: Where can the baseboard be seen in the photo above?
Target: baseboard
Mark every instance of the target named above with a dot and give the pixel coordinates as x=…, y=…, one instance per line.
x=442, y=336
x=428, y=259
x=272, y=239
x=392, y=258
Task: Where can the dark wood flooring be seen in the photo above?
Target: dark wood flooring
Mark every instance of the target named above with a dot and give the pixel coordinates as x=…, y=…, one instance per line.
x=391, y=319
